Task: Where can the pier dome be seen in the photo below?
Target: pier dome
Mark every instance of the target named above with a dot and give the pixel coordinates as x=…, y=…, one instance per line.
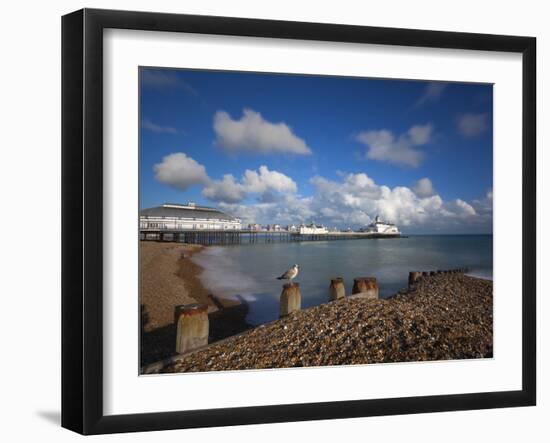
x=173, y=216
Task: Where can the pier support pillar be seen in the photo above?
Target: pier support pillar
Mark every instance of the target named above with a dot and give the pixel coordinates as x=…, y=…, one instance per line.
x=365, y=287
x=291, y=299
x=192, y=327
x=414, y=277
x=336, y=289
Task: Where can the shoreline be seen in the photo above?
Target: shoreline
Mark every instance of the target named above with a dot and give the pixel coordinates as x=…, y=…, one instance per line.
x=178, y=282
x=169, y=277
x=443, y=317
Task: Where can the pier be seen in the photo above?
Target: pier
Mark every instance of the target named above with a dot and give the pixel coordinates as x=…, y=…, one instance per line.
x=242, y=236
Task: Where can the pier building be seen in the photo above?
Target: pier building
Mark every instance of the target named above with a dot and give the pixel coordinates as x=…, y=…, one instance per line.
x=177, y=217
x=312, y=229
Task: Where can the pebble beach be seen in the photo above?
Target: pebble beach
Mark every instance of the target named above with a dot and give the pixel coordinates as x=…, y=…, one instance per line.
x=168, y=278
x=441, y=317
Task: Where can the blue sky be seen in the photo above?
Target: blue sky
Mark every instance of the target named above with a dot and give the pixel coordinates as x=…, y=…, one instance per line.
x=274, y=148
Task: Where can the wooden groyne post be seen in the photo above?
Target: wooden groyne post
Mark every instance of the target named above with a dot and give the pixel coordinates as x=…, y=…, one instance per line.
x=414, y=276
x=365, y=287
x=291, y=299
x=336, y=289
x=192, y=327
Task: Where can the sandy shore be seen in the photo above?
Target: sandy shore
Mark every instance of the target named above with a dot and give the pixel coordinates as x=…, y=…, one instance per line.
x=168, y=277
x=447, y=316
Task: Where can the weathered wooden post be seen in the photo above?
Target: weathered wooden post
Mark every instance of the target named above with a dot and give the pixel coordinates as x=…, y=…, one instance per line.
x=291, y=299
x=336, y=289
x=414, y=277
x=365, y=287
x=192, y=327
x=425, y=274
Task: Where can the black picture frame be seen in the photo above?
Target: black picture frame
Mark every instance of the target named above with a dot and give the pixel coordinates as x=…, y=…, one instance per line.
x=82, y=218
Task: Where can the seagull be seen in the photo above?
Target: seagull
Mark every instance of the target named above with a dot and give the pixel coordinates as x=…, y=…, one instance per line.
x=290, y=274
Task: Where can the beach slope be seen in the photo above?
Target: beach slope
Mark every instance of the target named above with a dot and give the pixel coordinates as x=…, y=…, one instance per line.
x=168, y=278
x=446, y=316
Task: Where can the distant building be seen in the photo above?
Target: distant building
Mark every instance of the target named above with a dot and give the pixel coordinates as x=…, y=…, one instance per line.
x=313, y=229
x=380, y=227
x=254, y=227
x=292, y=228
x=174, y=217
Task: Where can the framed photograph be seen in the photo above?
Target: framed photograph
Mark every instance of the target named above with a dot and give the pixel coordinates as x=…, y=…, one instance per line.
x=269, y=221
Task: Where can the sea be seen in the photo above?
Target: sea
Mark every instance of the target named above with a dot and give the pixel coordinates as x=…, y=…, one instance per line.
x=248, y=272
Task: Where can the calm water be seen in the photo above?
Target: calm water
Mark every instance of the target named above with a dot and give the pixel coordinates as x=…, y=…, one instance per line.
x=249, y=271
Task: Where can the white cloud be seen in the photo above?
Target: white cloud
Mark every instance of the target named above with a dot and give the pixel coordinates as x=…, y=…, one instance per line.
x=423, y=188
x=384, y=146
x=484, y=206
x=267, y=180
x=459, y=208
x=355, y=199
x=180, y=171
x=432, y=93
x=353, y=188
x=265, y=183
x=165, y=79
x=225, y=190
x=252, y=133
x=420, y=134
x=158, y=79
x=289, y=210
x=159, y=129
x=471, y=125
x=350, y=200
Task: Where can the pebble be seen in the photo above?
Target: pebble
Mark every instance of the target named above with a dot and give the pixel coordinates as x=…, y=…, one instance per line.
x=445, y=316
